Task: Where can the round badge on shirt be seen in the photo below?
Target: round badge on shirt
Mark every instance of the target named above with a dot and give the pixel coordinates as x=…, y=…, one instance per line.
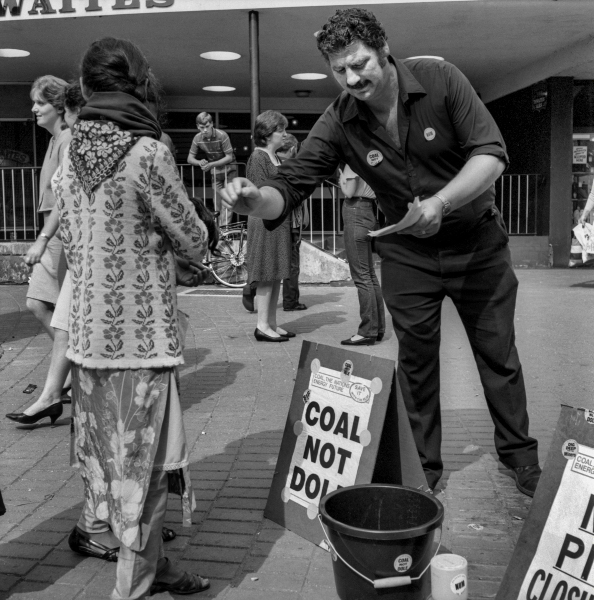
x=429, y=134
x=374, y=158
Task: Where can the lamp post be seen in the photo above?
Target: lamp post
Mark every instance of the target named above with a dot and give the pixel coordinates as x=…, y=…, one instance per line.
x=254, y=69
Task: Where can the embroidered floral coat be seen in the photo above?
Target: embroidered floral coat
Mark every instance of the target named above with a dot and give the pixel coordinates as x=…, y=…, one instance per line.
x=120, y=242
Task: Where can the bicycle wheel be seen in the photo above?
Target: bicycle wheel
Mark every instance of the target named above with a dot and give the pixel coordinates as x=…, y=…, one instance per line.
x=229, y=268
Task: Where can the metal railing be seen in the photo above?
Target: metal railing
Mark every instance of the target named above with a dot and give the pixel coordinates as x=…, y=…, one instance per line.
x=516, y=198
x=18, y=203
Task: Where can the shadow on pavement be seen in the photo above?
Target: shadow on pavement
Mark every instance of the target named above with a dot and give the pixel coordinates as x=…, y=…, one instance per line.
x=583, y=284
x=309, y=323
x=229, y=541
x=17, y=325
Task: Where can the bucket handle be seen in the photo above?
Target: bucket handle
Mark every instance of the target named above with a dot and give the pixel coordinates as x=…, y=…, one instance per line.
x=386, y=582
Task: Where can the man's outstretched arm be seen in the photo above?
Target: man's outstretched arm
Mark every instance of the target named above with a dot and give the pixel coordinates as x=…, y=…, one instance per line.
x=241, y=196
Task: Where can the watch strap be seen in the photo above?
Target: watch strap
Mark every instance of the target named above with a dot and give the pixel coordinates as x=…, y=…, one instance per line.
x=447, y=205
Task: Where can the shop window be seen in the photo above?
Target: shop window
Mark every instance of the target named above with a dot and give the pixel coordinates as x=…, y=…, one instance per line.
x=235, y=121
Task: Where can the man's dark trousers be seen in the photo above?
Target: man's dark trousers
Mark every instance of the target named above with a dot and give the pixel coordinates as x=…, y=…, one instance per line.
x=291, y=284
x=479, y=279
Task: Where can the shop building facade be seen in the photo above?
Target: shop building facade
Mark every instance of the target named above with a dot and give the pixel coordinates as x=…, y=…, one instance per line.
x=542, y=102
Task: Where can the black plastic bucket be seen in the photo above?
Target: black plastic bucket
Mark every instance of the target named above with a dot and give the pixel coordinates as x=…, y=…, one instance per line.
x=382, y=531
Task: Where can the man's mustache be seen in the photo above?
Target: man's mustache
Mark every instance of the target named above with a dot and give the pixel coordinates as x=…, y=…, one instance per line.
x=357, y=86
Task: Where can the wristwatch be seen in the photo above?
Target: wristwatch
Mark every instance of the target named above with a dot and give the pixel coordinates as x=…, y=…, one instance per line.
x=447, y=206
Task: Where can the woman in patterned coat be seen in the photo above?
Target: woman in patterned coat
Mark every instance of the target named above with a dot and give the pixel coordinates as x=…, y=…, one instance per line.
x=125, y=217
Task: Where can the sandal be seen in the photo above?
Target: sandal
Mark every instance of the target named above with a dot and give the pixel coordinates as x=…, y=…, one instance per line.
x=81, y=543
x=168, y=534
x=188, y=584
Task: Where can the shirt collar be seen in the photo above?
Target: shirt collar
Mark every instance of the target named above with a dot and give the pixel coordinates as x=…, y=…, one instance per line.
x=407, y=86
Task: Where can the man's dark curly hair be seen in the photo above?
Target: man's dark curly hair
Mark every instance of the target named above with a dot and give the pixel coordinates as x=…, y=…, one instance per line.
x=348, y=26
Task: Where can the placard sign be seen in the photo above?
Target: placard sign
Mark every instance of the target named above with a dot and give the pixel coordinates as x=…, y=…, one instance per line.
x=554, y=556
x=580, y=155
x=333, y=434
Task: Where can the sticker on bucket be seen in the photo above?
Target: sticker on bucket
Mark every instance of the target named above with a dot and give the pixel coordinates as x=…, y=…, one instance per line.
x=589, y=416
x=570, y=448
x=458, y=584
x=403, y=563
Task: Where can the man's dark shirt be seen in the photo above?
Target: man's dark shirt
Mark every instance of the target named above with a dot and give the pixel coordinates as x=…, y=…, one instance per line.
x=441, y=124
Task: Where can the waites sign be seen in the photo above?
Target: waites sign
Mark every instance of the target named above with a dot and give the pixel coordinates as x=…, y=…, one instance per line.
x=55, y=9
x=77, y=8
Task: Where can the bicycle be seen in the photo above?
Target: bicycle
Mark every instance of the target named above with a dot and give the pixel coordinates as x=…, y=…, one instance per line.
x=229, y=267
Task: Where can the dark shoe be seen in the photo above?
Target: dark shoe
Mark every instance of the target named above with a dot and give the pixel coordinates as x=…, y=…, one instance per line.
x=289, y=334
x=54, y=411
x=297, y=306
x=527, y=478
x=188, y=584
x=167, y=534
x=248, y=301
x=262, y=337
x=380, y=337
x=365, y=341
x=80, y=542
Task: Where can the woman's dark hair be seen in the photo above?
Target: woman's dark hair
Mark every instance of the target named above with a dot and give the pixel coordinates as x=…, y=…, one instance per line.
x=348, y=26
x=208, y=219
x=73, y=98
x=266, y=124
x=115, y=65
x=51, y=89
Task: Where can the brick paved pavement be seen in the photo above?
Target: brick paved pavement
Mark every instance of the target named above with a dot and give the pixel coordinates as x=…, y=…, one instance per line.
x=235, y=394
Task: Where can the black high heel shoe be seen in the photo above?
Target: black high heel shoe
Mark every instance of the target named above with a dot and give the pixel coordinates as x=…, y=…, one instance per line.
x=262, y=337
x=54, y=412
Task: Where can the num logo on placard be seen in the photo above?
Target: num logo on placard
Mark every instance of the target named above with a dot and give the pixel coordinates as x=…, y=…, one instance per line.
x=360, y=393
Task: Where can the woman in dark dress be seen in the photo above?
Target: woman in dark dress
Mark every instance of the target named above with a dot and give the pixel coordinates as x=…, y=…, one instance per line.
x=269, y=252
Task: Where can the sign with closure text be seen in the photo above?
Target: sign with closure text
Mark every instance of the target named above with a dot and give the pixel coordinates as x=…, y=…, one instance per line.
x=345, y=426
x=554, y=556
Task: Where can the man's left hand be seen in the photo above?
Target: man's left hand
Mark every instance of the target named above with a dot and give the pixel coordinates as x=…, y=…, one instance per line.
x=206, y=167
x=429, y=222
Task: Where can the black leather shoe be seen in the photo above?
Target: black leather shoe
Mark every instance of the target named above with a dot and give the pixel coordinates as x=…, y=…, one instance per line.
x=289, y=334
x=380, y=337
x=364, y=341
x=54, y=411
x=527, y=478
x=297, y=306
x=80, y=542
x=262, y=337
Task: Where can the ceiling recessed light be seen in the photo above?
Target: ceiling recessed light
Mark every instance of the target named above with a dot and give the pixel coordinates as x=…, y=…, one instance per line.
x=309, y=76
x=219, y=55
x=13, y=53
x=426, y=56
x=218, y=88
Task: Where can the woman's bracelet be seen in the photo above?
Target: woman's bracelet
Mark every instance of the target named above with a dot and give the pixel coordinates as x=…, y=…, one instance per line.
x=44, y=235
